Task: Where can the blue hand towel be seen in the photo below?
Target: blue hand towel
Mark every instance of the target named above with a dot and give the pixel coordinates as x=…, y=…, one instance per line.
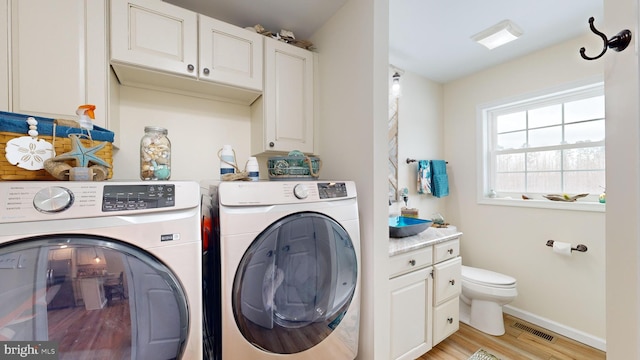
x=439, y=178
x=424, y=177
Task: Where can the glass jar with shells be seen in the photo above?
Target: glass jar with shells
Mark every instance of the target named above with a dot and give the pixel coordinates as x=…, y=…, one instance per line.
x=155, y=154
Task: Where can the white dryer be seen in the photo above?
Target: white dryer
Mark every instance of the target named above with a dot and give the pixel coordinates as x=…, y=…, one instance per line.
x=102, y=270
x=289, y=269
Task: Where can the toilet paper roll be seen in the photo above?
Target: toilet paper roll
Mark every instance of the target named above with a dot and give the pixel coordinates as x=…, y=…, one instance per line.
x=562, y=248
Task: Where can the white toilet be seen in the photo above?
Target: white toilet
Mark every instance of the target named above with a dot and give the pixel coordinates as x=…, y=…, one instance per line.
x=483, y=294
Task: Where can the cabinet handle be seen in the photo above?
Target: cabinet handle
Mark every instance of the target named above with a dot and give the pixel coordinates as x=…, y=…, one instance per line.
x=190, y=67
x=412, y=262
x=271, y=144
x=205, y=71
x=450, y=320
x=452, y=282
x=450, y=251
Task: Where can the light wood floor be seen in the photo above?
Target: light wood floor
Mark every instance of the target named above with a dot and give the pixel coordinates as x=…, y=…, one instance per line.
x=518, y=343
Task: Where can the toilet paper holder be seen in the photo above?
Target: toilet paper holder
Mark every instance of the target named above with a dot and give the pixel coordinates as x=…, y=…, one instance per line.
x=579, y=247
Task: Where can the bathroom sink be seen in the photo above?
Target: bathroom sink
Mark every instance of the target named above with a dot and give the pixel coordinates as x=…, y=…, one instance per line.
x=403, y=226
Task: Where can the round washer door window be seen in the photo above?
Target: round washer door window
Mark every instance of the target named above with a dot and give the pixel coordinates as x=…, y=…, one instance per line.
x=295, y=283
x=91, y=298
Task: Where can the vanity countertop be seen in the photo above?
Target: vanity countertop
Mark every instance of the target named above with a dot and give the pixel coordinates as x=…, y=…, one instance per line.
x=429, y=237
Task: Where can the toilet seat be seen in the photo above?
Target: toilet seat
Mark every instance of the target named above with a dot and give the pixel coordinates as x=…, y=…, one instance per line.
x=487, y=278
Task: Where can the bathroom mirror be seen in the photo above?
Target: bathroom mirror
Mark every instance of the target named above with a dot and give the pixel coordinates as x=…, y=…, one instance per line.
x=392, y=143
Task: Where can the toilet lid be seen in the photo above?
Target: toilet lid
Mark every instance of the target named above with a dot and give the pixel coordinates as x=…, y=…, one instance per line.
x=482, y=276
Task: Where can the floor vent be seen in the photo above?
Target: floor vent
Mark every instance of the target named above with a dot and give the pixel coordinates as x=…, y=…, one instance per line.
x=533, y=331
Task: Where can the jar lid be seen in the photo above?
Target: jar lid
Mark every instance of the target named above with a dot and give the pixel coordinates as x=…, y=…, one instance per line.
x=156, y=129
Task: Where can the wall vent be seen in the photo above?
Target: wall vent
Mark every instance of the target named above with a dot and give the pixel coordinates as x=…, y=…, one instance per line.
x=533, y=331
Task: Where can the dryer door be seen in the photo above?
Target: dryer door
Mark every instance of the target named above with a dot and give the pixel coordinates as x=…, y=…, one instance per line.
x=90, y=297
x=295, y=283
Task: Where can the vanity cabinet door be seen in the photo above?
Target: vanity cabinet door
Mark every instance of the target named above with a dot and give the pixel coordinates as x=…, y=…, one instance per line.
x=447, y=280
x=155, y=35
x=411, y=314
x=445, y=320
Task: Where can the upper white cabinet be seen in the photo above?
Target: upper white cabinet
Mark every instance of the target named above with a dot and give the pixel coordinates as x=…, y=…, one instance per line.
x=58, y=53
x=283, y=117
x=229, y=54
x=161, y=46
x=155, y=35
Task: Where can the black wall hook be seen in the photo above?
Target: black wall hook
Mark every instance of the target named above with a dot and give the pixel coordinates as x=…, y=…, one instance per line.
x=617, y=43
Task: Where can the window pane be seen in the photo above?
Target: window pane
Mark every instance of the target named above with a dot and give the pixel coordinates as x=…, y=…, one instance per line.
x=510, y=182
x=510, y=162
x=551, y=144
x=576, y=182
x=585, y=131
x=584, y=159
x=586, y=109
x=545, y=136
x=550, y=115
x=544, y=182
x=515, y=140
x=544, y=160
x=511, y=122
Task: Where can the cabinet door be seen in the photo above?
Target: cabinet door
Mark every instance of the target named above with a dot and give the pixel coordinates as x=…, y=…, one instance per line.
x=411, y=314
x=155, y=35
x=447, y=280
x=445, y=320
x=52, y=63
x=229, y=54
x=4, y=55
x=288, y=97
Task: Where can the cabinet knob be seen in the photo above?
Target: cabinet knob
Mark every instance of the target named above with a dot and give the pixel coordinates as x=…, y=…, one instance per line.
x=450, y=320
x=271, y=144
x=412, y=262
x=205, y=71
x=190, y=67
x=450, y=251
x=452, y=282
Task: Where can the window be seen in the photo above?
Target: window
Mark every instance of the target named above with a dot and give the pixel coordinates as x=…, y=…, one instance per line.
x=548, y=144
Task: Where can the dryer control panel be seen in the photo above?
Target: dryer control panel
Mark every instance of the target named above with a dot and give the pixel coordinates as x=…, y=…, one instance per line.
x=330, y=190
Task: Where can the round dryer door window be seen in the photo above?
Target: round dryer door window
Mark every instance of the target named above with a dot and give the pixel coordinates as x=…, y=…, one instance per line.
x=295, y=283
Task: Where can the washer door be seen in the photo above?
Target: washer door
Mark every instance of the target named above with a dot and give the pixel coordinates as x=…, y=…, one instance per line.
x=91, y=297
x=295, y=283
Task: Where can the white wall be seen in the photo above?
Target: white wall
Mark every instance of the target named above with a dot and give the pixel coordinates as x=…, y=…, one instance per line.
x=420, y=136
x=353, y=65
x=563, y=294
x=623, y=185
x=197, y=129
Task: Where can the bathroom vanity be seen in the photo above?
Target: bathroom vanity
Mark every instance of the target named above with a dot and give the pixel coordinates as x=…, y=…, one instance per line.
x=425, y=284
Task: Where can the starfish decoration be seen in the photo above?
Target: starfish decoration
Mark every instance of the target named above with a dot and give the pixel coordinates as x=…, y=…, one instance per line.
x=83, y=156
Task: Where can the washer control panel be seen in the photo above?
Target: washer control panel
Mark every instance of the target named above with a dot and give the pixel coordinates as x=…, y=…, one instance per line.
x=137, y=197
x=53, y=199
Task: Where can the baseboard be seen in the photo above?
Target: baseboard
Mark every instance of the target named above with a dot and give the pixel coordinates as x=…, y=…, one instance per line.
x=577, y=335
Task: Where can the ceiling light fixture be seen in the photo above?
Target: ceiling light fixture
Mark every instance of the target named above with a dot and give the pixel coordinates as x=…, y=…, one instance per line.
x=498, y=35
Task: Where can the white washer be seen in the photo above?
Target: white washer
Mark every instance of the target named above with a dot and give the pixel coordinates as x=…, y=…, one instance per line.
x=289, y=269
x=120, y=262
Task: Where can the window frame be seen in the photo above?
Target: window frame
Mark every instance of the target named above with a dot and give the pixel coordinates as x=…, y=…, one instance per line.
x=486, y=163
